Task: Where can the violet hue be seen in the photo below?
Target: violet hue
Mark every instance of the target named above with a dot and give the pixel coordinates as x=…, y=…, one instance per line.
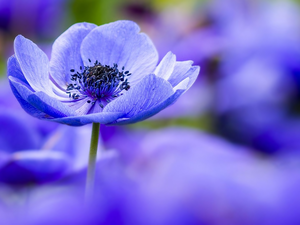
x=9, y=102
x=26, y=157
x=106, y=74
x=258, y=94
x=36, y=18
x=177, y=176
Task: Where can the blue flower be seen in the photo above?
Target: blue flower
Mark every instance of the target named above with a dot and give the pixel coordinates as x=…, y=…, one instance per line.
x=26, y=157
x=106, y=74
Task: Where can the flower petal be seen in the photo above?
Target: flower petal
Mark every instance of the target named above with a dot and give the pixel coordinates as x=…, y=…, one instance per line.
x=103, y=118
x=41, y=101
x=148, y=93
x=166, y=66
x=66, y=53
x=14, y=70
x=180, y=69
x=176, y=72
x=192, y=74
x=34, y=166
x=119, y=42
x=49, y=105
x=34, y=64
x=183, y=85
x=24, y=104
x=14, y=73
x=151, y=111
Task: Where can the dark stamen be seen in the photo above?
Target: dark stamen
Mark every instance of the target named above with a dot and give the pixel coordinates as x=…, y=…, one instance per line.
x=101, y=83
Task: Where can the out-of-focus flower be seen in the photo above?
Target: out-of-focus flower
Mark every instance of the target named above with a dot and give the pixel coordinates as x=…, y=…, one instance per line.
x=258, y=90
x=177, y=176
x=34, y=18
x=86, y=85
x=187, y=177
x=27, y=158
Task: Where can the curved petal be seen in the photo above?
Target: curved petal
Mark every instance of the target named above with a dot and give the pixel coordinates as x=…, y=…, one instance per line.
x=120, y=42
x=66, y=53
x=192, y=74
x=14, y=70
x=180, y=69
x=34, y=166
x=149, y=92
x=102, y=118
x=24, y=104
x=176, y=72
x=183, y=85
x=151, y=111
x=41, y=101
x=34, y=64
x=49, y=105
x=166, y=66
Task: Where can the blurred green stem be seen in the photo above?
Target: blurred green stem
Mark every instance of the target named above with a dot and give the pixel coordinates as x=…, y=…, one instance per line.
x=90, y=178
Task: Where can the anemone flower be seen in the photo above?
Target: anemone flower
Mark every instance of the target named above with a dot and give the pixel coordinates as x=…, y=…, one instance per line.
x=106, y=74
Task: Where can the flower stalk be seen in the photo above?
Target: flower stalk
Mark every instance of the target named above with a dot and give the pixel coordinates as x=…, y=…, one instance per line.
x=90, y=179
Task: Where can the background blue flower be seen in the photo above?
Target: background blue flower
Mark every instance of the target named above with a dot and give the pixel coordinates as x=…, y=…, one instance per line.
x=33, y=156
x=170, y=181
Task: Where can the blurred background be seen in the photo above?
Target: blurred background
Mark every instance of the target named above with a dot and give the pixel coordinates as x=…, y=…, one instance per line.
x=227, y=152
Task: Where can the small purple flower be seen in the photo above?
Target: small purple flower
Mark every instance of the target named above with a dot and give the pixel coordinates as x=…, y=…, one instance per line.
x=106, y=74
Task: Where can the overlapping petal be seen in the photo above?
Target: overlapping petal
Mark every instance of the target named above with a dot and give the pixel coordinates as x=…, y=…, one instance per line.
x=166, y=66
x=34, y=64
x=41, y=101
x=66, y=53
x=103, y=118
x=14, y=70
x=120, y=42
x=152, y=110
x=176, y=72
x=149, y=92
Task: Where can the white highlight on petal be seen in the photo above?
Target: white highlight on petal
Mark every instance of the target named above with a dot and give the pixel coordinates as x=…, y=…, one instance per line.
x=183, y=85
x=166, y=66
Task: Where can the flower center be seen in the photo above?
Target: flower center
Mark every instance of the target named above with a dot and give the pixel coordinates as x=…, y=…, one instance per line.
x=99, y=82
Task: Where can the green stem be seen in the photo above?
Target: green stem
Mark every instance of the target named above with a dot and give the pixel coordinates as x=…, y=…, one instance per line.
x=90, y=179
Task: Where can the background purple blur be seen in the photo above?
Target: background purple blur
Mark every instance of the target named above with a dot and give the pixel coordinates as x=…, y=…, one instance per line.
x=227, y=153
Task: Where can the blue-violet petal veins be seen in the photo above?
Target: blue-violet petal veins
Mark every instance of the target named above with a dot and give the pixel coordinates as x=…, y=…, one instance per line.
x=66, y=52
x=120, y=43
x=34, y=64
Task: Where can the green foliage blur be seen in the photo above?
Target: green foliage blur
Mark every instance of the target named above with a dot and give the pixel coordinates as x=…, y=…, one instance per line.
x=101, y=12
